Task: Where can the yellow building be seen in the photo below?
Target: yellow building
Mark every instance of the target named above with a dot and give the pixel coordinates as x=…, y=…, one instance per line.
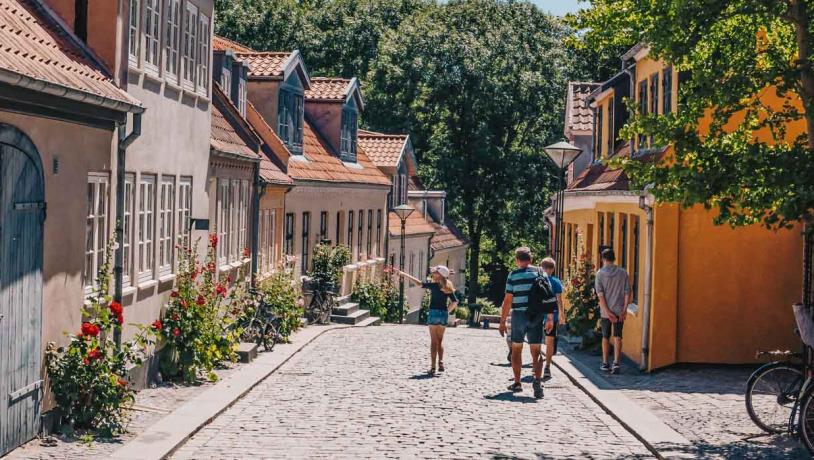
x=702, y=293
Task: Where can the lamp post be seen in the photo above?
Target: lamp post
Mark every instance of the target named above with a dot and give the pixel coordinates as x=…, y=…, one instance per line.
x=403, y=211
x=562, y=154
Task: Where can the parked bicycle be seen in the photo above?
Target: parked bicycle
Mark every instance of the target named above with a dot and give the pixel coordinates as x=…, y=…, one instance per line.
x=323, y=301
x=261, y=326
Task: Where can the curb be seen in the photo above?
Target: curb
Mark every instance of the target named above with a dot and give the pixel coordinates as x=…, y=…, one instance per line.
x=164, y=437
x=661, y=440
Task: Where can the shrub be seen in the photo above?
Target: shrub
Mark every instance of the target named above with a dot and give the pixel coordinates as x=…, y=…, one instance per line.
x=281, y=292
x=380, y=297
x=582, y=314
x=327, y=264
x=462, y=312
x=487, y=307
x=88, y=377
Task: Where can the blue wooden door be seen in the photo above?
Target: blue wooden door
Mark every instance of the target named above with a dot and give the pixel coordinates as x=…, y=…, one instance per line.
x=21, y=221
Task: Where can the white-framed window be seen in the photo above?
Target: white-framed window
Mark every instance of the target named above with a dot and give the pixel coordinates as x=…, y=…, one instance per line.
x=152, y=34
x=264, y=248
x=185, y=211
x=203, y=54
x=224, y=221
x=242, y=96
x=146, y=227
x=127, y=223
x=172, y=40
x=189, y=45
x=226, y=80
x=271, y=230
x=166, y=225
x=412, y=264
x=234, y=220
x=134, y=36
x=95, y=227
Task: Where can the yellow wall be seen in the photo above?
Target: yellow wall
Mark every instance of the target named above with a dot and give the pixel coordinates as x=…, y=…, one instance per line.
x=274, y=199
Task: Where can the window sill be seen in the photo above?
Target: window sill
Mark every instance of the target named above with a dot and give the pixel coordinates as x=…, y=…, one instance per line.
x=147, y=285
x=166, y=278
x=128, y=291
x=225, y=268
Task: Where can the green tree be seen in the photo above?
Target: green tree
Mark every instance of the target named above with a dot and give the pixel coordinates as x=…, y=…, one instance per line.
x=479, y=84
x=732, y=55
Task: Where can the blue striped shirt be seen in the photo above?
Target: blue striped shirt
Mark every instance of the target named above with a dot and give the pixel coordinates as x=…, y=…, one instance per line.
x=518, y=284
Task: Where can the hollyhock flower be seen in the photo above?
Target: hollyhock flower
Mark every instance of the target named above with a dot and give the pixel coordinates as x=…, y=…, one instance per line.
x=211, y=267
x=175, y=317
x=201, y=300
x=220, y=289
x=229, y=279
x=157, y=325
x=245, y=252
x=122, y=382
x=213, y=240
x=120, y=319
x=174, y=294
x=90, y=329
x=116, y=308
x=86, y=361
x=176, y=332
x=184, y=304
x=194, y=274
x=95, y=354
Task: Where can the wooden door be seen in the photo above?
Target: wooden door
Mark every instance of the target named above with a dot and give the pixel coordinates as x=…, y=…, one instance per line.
x=21, y=222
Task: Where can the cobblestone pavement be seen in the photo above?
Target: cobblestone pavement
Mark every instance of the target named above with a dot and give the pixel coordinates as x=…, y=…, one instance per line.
x=151, y=405
x=359, y=393
x=703, y=403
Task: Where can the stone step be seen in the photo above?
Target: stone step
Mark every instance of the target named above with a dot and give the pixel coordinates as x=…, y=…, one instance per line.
x=353, y=318
x=346, y=309
x=343, y=299
x=246, y=352
x=372, y=321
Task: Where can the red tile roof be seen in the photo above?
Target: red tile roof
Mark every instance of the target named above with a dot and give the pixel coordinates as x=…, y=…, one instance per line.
x=383, y=149
x=269, y=169
x=415, y=224
x=224, y=44
x=447, y=237
x=328, y=89
x=33, y=44
x=223, y=136
x=318, y=164
x=578, y=115
x=267, y=64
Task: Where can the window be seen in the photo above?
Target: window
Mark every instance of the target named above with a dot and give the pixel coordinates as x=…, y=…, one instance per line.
x=203, y=54
x=306, y=235
x=654, y=99
x=349, y=241
x=226, y=79
x=421, y=266
x=134, y=36
x=642, y=107
x=412, y=264
x=146, y=227
x=172, y=39
x=290, y=113
x=378, y=232
x=166, y=235
x=569, y=233
x=361, y=235
x=152, y=34
x=283, y=115
x=600, y=225
x=127, y=223
x=289, y=234
x=242, y=96
x=96, y=227
x=323, y=226
x=185, y=212
x=338, y=227
x=636, y=230
x=623, y=240
x=348, y=136
x=611, y=134
x=298, y=115
x=224, y=220
x=243, y=220
x=599, y=132
x=611, y=228
x=369, y=233
x=190, y=39
x=667, y=91
x=265, y=253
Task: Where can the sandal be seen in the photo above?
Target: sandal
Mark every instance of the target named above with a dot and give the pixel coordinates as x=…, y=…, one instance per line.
x=440, y=367
x=431, y=372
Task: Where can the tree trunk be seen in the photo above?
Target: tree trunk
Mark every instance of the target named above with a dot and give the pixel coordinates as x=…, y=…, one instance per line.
x=474, y=264
x=799, y=16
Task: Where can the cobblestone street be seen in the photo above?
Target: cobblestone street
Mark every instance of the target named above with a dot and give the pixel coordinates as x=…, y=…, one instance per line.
x=363, y=393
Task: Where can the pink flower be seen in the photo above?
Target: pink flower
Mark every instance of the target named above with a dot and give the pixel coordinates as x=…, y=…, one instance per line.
x=174, y=294
x=201, y=300
x=176, y=332
x=213, y=240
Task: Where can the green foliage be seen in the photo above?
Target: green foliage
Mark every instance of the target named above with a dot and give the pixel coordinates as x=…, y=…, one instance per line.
x=582, y=315
x=487, y=307
x=424, y=313
x=196, y=332
x=380, y=297
x=327, y=264
x=88, y=377
x=280, y=290
x=733, y=55
x=462, y=312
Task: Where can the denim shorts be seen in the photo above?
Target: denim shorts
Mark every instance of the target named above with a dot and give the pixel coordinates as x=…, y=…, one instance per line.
x=523, y=328
x=437, y=318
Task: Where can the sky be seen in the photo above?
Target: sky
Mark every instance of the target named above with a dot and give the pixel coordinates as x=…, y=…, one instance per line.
x=558, y=7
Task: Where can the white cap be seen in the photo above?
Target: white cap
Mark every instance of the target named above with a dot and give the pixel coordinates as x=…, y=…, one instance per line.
x=442, y=269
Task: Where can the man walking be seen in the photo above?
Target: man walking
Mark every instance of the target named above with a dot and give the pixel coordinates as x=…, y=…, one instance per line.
x=549, y=265
x=612, y=286
x=518, y=288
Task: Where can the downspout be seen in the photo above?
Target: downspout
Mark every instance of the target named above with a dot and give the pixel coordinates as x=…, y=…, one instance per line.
x=118, y=259
x=259, y=191
x=386, y=227
x=648, y=281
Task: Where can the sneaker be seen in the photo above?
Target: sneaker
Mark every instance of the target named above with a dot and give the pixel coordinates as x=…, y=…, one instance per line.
x=604, y=367
x=516, y=387
x=538, y=389
x=616, y=368
x=546, y=374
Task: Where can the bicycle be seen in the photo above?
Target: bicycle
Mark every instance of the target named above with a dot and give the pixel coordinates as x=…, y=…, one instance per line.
x=322, y=303
x=263, y=326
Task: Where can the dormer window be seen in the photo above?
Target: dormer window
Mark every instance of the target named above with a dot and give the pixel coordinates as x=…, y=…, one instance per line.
x=226, y=77
x=349, y=132
x=290, y=113
x=239, y=88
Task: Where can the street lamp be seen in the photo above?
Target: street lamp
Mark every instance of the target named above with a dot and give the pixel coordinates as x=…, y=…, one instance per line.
x=562, y=154
x=403, y=211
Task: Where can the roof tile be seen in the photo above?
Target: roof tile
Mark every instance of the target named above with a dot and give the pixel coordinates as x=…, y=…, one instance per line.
x=579, y=116
x=447, y=236
x=328, y=89
x=267, y=64
x=383, y=149
x=224, y=138
x=224, y=44
x=415, y=224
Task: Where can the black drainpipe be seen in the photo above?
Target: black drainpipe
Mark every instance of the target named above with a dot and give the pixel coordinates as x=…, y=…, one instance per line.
x=124, y=141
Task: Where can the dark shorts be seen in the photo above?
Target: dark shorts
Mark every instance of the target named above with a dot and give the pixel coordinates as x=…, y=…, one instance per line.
x=437, y=318
x=606, y=328
x=524, y=329
x=553, y=332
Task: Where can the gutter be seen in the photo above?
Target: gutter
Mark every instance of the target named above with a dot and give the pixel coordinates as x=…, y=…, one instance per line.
x=648, y=281
x=56, y=89
x=125, y=140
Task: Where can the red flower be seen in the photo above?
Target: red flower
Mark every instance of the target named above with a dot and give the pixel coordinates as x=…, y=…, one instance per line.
x=174, y=294
x=213, y=240
x=175, y=317
x=116, y=308
x=95, y=354
x=90, y=329
x=211, y=267
x=194, y=274
x=86, y=361
x=201, y=300
x=122, y=382
x=184, y=304
x=229, y=279
x=220, y=289
x=245, y=252
x=157, y=325
x=176, y=332
x=120, y=319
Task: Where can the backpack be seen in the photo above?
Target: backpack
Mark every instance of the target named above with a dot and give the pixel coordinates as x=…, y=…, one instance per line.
x=542, y=299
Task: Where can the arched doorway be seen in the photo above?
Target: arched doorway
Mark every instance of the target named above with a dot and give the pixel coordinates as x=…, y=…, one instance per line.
x=22, y=213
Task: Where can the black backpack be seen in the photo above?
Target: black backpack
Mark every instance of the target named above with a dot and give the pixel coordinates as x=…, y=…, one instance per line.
x=542, y=299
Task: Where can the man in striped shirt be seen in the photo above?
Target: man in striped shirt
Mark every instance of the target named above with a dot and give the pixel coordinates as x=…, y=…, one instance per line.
x=518, y=287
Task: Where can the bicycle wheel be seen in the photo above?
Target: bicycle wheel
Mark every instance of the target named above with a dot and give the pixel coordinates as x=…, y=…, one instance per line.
x=771, y=393
x=270, y=337
x=806, y=423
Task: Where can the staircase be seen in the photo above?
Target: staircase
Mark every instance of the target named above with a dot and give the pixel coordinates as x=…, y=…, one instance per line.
x=349, y=313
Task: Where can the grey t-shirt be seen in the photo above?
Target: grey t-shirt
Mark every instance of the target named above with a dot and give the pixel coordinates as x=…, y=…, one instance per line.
x=612, y=281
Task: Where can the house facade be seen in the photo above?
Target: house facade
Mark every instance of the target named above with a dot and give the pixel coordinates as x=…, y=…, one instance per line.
x=697, y=287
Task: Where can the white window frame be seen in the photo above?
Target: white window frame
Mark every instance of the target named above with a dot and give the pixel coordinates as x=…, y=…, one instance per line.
x=127, y=223
x=243, y=208
x=96, y=227
x=189, y=46
x=152, y=35
x=166, y=226
x=146, y=227
x=172, y=39
x=134, y=33
x=204, y=55
x=223, y=223
x=184, y=212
